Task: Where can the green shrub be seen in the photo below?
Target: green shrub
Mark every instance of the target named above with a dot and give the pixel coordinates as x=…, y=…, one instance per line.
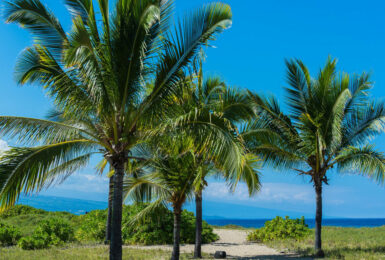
x=9, y=235
x=92, y=226
x=57, y=229
x=279, y=228
x=35, y=241
x=157, y=228
x=52, y=231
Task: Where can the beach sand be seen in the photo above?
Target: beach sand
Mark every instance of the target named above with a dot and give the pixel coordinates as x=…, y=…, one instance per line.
x=236, y=246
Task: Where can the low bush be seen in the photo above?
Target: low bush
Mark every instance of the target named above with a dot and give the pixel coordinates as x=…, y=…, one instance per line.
x=57, y=229
x=92, y=226
x=35, y=241
x=280, y=228
x=9, y=235
x=53, y=231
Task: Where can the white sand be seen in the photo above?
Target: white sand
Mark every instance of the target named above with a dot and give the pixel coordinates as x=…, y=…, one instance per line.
x=235, y=244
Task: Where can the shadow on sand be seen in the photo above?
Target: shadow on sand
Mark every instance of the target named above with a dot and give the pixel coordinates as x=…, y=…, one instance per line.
x=271, y=257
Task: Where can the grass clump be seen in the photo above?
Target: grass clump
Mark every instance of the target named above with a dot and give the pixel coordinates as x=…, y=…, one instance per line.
x=280, y=228
x=339, y=243
x=72, y=252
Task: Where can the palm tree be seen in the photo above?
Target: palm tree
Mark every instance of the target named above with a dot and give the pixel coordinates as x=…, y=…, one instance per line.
x=169, y=181
x=212, y=96
x=97, y=74
x=330, y=120
x=197, y=110
x=173, y=167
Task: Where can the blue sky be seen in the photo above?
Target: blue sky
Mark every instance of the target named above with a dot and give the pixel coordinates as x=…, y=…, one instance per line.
x=251, y=55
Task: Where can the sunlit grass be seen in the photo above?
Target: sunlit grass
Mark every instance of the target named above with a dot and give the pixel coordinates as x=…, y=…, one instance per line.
x=82, y=252
x=341, y=243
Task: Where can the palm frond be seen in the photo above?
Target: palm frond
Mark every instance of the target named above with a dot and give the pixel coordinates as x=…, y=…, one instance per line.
x=32, y=131
x=248, y=174
x=31, y=169
x=298, y=92
x=191, y=34
x=365, y=160
x=42, y=23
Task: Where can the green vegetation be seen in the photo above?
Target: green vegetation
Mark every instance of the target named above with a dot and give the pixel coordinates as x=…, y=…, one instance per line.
x=280, y=228
x=156, y=228
x=53, y=231
x=29, y=218
x=72, y=252
x=9, y=235
x=340, y=243
x=56, y=228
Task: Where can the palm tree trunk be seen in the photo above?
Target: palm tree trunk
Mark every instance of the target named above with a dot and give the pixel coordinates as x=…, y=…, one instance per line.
x=109, y=210
x=318, y=219
x=117, y=206
x=176, y=234
x=198, y=224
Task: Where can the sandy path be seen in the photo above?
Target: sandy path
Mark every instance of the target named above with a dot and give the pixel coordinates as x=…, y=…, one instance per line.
x=236, y=246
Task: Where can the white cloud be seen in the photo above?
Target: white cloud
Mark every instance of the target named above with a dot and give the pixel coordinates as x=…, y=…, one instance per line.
x=270, y=193
x=3, y=146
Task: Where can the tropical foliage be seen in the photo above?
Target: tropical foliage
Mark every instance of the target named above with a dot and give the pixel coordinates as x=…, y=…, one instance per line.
x=280, y=228
x=211, y=96
x=50, y=232
x=56, y=228
x=9, y=234
x=329, y=123
x=155, y=229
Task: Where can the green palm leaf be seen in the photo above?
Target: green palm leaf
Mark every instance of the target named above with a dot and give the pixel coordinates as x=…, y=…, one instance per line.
x=31, y=169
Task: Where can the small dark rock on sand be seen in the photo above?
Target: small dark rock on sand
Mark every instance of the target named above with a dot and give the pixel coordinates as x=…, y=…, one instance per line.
x=220, y=255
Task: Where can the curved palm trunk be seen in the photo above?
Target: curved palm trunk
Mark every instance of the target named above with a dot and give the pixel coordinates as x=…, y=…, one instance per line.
x=109, y=210
x=117, y=206
x=198, y=224
x=318, y=219
x=176, y=233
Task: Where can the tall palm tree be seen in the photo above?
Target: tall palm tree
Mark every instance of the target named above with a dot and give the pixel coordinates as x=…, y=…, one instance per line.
x=169, y=182
x=331, y=118
x=211, y=96
x=172, y=170
x=194, y=116
x=97, y=74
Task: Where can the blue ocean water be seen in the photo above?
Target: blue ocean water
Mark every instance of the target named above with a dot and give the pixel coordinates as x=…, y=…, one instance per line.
x=339, y=222
x=51, y=203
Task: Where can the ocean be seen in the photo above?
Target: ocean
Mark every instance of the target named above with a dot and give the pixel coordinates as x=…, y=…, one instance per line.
x=78, y=207
x=339, y=222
